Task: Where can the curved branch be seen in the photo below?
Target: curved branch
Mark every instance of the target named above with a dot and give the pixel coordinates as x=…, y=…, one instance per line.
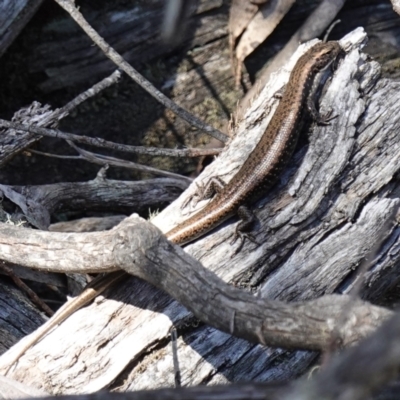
x=139, y=248
x=359, y=371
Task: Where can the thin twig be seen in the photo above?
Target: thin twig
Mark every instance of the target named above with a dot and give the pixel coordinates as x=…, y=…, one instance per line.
x=101, y=159
x=53, y=118
x=330, y=29
x=95, y=89
x=99, y=142
x=43, y=153
x=25, y=288
x=44, y=117
x=175, y=360
x=115, y=57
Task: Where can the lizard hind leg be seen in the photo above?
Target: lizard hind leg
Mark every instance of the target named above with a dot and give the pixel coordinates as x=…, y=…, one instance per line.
x=243, y=227
x=204, y=192
x=321, y=119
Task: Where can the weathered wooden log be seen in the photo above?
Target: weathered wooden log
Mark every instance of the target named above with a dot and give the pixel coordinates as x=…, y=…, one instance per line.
x=359, y=373
x=334, y=208
x=100, y=194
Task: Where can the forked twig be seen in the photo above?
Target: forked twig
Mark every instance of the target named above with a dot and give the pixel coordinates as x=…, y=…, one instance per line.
x=25, y=288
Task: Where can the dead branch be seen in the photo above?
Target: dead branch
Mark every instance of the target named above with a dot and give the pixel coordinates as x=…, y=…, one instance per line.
x=103, y=160
x=106, y=144
x=100, y=194
x=358, y=372
x=107, y=161
x=87, y=94
x=69, y=6
x=138, y=247
x=35, y=117
x=333, y=204
x=25, y=288
x=355, y=374
x=12, y=142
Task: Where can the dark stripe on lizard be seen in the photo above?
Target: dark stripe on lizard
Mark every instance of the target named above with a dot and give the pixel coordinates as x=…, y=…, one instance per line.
x=258, y=173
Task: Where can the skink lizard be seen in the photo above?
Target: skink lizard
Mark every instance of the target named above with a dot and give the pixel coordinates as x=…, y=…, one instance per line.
x=258, y=173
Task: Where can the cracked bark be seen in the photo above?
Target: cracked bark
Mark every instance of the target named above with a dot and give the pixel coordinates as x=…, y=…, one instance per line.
x=335, y=202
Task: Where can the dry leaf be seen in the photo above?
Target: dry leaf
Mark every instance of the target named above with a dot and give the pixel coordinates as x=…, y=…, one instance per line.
x=258, y=28
x=240, y=14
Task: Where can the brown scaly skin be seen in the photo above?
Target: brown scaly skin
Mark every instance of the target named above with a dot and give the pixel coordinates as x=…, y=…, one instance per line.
x=258, y=173
x=265, y=163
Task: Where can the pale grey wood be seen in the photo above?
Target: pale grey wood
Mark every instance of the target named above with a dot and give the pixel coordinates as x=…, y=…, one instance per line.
x=321, y=203
x=140, y=249
x=396, y=5
x=356, y=374
x=10, y=389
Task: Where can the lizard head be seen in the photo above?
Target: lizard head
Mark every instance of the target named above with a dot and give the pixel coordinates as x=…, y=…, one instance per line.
x=324, y=54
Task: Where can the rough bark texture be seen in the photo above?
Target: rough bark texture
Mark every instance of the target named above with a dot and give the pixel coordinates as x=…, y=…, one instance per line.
x=38, y=202
x=100, y=194
x=345, y=193
x=12, y=142
x=334, y=207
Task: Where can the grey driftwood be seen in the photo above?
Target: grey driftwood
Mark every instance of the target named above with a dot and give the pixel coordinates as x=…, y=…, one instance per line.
x=332, y=216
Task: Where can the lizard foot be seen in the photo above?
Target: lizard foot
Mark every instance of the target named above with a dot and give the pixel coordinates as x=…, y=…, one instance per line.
x=242, y=236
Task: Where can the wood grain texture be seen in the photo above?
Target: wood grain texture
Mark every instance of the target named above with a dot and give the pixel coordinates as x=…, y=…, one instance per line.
x=99, y=194
x=337, y=200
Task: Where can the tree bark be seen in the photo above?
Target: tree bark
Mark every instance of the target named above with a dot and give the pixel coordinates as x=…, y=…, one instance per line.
x=331, y=218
